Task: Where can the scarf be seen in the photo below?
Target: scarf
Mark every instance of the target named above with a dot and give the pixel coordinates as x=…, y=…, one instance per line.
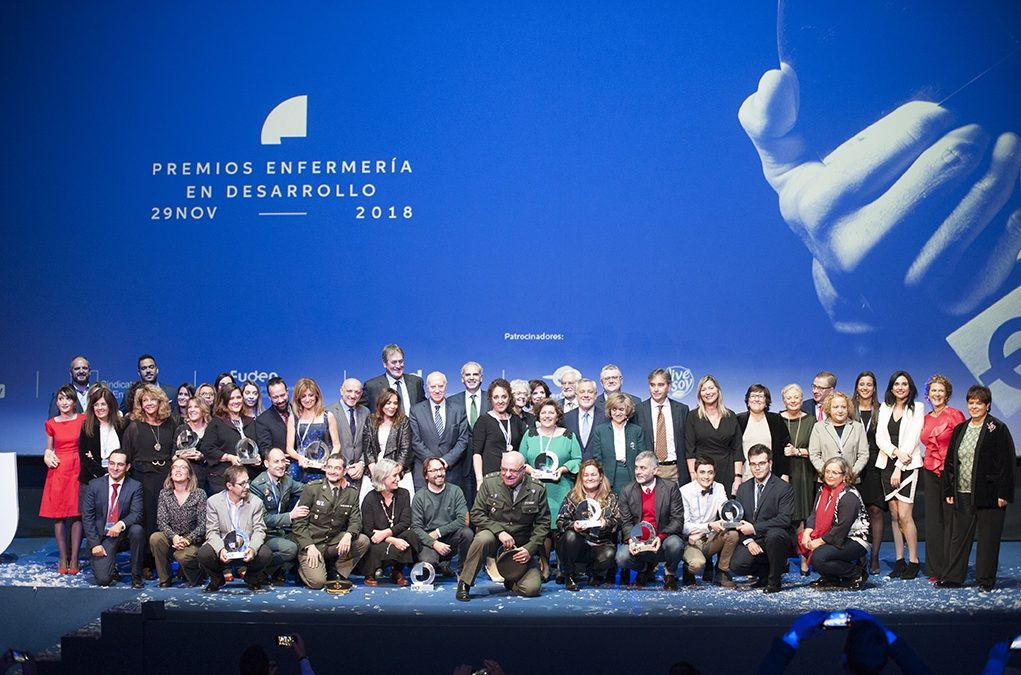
x=825, y=511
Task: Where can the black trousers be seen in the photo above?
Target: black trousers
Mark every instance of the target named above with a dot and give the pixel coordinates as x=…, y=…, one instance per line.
x=937, y=522
x=776, y=547
x=965, y=521
x=460, y=540
x=211, y=564
x=572, y=549
x=134, y=539
x=831, y=561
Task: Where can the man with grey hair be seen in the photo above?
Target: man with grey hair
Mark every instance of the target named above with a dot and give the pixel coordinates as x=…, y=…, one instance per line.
x=407, y=385
x=351, y=416
x=656, y=501
x=511, y=518
x=475, y=403
x=613, y=381
x=568, y=395
x=439, y=428
x=586, y=417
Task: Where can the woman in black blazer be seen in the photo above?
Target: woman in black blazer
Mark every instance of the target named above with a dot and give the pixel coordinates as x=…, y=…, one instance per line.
x=219, y=443
x=758, y=399
x=978, y=481
x=102, y=433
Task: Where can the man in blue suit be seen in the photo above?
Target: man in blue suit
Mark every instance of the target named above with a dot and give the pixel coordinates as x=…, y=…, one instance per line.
x=439, y=428
x=584, y=419
x=111, y=516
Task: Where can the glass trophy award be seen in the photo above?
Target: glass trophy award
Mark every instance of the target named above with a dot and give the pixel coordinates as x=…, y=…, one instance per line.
x=545, y=466
x=315, y=454
x=235, y=543
x=731, y=513
x=247, y=451
x=185, y=441
x=422, y=577
x=643, y=535
x=588, y=514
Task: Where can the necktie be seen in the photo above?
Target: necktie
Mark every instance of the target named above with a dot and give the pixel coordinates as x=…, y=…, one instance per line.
x=111, y=515
x=438, y=421
x=661, y=435
x=758, y=494
x=400, y=393
x=336, y=493
x=473, y=413
x=586, y=427
x=818, y=412
x=351, y=421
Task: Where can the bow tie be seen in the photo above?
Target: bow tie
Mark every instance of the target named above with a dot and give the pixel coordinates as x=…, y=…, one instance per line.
x=707, y=492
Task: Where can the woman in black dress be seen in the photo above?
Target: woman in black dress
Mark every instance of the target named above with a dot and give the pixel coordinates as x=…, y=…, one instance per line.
x=386, y=521
x=225, y=430
x=711, y=430
x=102, y=433
x=866, y=404
x=496, y=432
x=149, y=445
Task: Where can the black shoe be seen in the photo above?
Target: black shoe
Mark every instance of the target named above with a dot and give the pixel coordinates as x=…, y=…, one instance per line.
x=707, y=573
x=670, y=582
x=771, y=588
x=723, y=579
x=445, y=570
x=136, y=581
x=859, y=580
x=463, y=592
x=147, y=573
x=687, y=578
x=560, y=579
x=910, y=571
x=625, y=578
x=279, y=578
x=596, y=580
x=943, y=583
x=985, y=588
x=166, y=583
x=823, y=582
x=760, y=582
x=898, y=569
x=570, y=584
x=212, y=587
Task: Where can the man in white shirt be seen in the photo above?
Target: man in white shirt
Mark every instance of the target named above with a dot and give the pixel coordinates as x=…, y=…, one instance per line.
x=568, y=397
x=662, y=420
x=702, y=500
x=583, y=420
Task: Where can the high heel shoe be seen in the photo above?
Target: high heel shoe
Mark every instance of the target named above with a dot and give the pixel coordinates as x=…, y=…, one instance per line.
x=874, y=569
x=910, y=571
x=73, y=569
x=898, y=569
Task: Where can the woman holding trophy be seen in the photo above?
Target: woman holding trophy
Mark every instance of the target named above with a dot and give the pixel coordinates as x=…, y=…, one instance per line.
x=312, y=434
x=226, y=441
x=189, y=434
x=589, y=525
x=552, y=455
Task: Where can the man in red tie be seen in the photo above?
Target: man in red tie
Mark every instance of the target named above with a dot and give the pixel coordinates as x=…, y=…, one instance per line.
x=111, y=516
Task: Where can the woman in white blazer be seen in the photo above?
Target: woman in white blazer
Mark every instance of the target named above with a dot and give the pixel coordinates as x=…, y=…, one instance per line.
x=898, y=435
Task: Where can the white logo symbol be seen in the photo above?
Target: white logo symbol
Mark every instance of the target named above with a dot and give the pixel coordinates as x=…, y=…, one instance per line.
x=288, y=120
x=557, y=374
x=681, y=382
x=3, y=390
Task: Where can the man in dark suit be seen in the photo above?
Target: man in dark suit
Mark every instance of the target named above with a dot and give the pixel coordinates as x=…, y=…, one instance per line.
x=822, y=386
x=439, y=428
x=765, y=533
x=407, y=385
x=612, y=380
x=81, y=373
x=112, y=519
x=271, y=424
x=351, y=416
x=656, y=501
x=475, y=403
x=583, y=420
x=662, y=420
x=148, y=373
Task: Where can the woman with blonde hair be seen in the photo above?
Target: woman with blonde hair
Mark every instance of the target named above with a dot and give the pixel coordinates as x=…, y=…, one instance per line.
x=181, y=522
x=711, y=430
x=386, y=521
x=584, y=542
x=311, y=423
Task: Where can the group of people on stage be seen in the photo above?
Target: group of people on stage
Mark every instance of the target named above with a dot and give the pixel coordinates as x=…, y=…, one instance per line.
x=398, y=470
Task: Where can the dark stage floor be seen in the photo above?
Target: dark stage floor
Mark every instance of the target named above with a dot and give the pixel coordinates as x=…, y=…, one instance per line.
x=934, y=621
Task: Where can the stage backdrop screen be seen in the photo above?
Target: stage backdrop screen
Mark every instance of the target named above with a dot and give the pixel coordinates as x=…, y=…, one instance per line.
x=278, y=188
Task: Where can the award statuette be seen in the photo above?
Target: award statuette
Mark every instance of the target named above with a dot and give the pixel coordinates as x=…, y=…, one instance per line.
x=588, y=514
x=185, y=441
x=545, y=466
x=315, y=454
x=731, y=513
x=422, y=577
x=247, y=451
x=643, y=535
x=235, y=543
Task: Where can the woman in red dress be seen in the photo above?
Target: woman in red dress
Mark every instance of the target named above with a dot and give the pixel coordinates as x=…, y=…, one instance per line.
x=60, y=493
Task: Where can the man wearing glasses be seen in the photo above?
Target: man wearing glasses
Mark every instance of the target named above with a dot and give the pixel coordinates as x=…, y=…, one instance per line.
x=765, y=532
x=612, y=380
x=229, y=513
x=822, y=386
x=510, y=515
x=439, y=518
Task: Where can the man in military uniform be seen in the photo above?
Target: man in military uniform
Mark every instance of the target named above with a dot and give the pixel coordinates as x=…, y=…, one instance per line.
x=278, y=491
x=510, y=513
x=330, y=537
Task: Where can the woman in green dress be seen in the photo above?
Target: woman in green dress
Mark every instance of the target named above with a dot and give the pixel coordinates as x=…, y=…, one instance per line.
x=803, y=475
x=549, y=437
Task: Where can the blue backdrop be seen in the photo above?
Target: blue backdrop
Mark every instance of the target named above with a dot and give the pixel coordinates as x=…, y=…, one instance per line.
x=576, y=169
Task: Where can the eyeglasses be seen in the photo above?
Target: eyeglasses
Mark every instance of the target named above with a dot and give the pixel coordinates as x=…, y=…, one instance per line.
x=758, y=465
x=243, y=483
x=506, y=470
x=437, y=470
x=830, y=472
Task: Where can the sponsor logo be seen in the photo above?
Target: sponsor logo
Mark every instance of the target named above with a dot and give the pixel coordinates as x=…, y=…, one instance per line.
x=681, y=382
x=288, y=120
x=252, y=375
